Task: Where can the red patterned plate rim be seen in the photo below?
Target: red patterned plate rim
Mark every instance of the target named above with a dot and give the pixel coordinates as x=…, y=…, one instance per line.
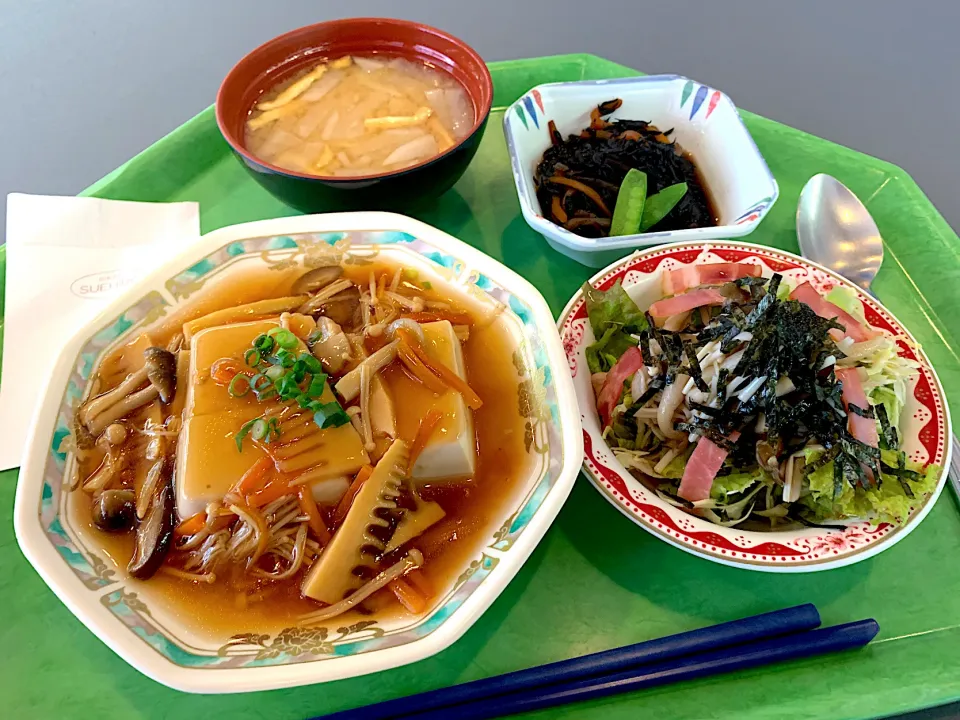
x=788, y=551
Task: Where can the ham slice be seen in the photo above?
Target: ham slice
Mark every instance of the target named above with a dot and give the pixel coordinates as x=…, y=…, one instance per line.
x=676, y=281
x=863, y=429
x=686, y=302
x=809, y=296
x=627, y=365
x=702, y=467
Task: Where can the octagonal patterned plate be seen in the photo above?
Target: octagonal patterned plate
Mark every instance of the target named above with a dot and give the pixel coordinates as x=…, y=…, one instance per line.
x=136, y=623
x=925, y=423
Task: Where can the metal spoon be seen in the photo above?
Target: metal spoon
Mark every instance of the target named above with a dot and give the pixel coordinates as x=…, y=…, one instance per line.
x=836, y=230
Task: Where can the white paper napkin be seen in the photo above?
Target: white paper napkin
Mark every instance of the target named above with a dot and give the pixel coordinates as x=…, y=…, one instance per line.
x=67, y=257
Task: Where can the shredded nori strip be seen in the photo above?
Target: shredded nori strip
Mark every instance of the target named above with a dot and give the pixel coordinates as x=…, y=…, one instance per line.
x=645, y=348
x=655, y=386
x=693, y=367
x=862, y=412
x=788, y=340
x=888, y=436
x=749, y=280
x=774, y=287
x=901, y=472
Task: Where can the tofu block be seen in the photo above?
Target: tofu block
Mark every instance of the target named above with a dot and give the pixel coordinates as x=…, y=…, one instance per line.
x=451, y=451
x=208, y=462
x=225, y=341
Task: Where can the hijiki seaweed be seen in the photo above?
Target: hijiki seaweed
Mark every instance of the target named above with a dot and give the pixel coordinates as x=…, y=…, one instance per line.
x=578, y=179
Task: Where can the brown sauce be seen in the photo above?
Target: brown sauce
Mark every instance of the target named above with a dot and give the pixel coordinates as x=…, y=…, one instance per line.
x=474, y=507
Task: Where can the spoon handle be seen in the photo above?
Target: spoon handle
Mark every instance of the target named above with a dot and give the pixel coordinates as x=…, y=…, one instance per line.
x=954, y=470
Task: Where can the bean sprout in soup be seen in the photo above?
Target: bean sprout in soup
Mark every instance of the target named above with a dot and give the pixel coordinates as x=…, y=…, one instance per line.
x=356, y=116
x=299, y=444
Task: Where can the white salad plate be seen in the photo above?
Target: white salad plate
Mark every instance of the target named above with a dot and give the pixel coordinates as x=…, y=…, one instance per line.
x=924, y=425
x=127, y=616
x=705, y=123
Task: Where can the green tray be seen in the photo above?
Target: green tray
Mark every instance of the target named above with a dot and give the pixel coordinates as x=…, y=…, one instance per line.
x=596, y=581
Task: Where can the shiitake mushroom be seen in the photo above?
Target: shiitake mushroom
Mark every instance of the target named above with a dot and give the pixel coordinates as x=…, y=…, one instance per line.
x=161, y=368
x=114, y=510
x=154, y=531
x=343, y=308
x=316, y=279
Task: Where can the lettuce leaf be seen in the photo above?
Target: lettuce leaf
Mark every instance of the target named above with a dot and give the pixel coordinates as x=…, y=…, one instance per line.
x=784, y=290
x=847, y=300
x=735, y=482
x=604, y=353
x=613, y=316
x=887, y=503
x=891, y=399
x=674, y=469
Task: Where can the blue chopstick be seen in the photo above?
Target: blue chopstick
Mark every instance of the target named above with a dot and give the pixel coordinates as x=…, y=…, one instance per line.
x=715, y=637
x=763, y=652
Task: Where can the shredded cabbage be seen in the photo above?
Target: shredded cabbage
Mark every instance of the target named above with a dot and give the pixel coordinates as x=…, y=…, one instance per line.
x=887, y=372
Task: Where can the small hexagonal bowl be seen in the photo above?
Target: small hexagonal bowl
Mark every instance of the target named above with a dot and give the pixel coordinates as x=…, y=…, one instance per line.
x=705, y=123
x=136, y=624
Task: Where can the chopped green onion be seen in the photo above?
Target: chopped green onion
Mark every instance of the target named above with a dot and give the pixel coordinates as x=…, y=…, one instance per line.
x=411, y=273
x=266, y=394
x=274, y=373
x=330, y=415
x=285, y=358
x=262, y=386
x=234, y=387
x=315, y=336
x=259, y=429
x=264, y=344
x=317, y=385
x=273, y=429
x=311, y=363
x=287, y=387
x=242, y=433
x=283, y=337
x=427, y=285
x=252, y=357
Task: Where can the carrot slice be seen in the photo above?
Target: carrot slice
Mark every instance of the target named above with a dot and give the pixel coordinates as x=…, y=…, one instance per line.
x=420, y=371
x=408, y=596
x=418, y=579
x=195, y=523
x=446, y=375
x=254, y=478
x=427, y=426
x=347, y=500
x=585, y=189
x=276, y=487
x=556, y=207
x=455, y=318
x=310, y=509
x=191, y=525
x=224, y=370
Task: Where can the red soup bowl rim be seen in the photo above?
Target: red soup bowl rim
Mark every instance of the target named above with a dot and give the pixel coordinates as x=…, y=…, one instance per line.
x=481, y=95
